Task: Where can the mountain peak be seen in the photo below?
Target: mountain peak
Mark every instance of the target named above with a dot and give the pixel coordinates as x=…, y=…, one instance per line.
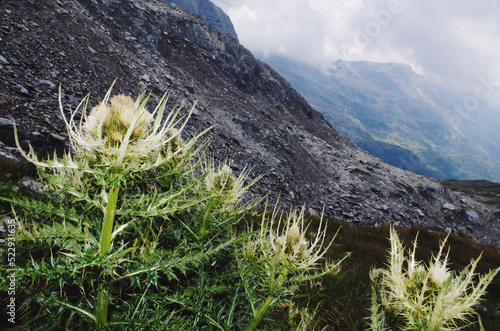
x=209, y=12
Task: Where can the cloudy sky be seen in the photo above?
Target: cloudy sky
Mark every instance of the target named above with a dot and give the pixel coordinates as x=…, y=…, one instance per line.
x=456, y=40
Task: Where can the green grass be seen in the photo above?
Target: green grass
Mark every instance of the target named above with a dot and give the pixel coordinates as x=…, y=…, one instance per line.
x=480, y=190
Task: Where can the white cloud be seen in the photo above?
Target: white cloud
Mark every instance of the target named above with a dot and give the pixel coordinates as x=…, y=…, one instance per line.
x=288, y=27
x=458, y=40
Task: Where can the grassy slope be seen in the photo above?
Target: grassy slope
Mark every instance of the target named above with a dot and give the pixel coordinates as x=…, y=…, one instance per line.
x=480, y=190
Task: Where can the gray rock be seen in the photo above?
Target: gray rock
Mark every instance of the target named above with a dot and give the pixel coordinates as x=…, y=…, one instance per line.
x=46, y=82
x=5, y=122
x=3, y=60
x=472, y=214
x=24, y=91
x=312, y=212
x=32, y=185
x=58, y=137
x=449, y=206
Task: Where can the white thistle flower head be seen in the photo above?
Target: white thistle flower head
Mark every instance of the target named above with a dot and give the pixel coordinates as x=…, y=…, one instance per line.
x=122, y=133
x=281, y=242
x=293, y=235
x=439, y=273
x=222, y=185
x=220, y=182
x=286, y=240
x=112, y=121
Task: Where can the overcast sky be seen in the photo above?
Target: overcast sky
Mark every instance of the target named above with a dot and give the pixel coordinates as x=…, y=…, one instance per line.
x=457, y=40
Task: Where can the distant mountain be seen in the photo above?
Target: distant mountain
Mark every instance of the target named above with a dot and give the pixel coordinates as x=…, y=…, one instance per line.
x=405, y=119
x=212, y=14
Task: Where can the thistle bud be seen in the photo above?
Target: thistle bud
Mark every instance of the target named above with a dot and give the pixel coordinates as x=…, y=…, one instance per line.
x=281, y=242
x=293, y=235
x=225, y=187
x=439, y=273
x=172, y=132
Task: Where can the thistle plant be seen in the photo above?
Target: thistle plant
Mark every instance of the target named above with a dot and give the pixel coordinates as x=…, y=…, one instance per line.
x=137, y=229
x=276, y=260
x=412, y=296
x=118, y=143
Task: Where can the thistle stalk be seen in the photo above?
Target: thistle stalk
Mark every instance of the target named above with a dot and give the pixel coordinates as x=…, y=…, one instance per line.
x=204, y=226
x=105, y=243
x=102, y=308
x=262, y=311
x=120, y=142
x=109, y=216
x=279, y=258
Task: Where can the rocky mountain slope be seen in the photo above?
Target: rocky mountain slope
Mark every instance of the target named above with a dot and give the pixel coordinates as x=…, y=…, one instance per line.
x=209, y=12
x=258, y=119
x=404, y=118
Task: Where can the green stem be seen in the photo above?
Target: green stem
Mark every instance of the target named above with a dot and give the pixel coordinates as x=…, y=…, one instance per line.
x=107, y=230
x=262, y=311
x=109, y=216
x=102, y=308
x=272, y=275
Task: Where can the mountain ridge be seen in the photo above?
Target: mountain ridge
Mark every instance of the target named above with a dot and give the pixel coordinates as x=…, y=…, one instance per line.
x=209, y=12
x=402, y=117
x=258, y=120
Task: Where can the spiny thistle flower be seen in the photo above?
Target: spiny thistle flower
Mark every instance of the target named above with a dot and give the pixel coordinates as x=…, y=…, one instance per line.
x=431, y=298
x=220, y=182
x=280, y=257
x=119, y=133
x=111, y=122
x=175, y=147
x=287, y=241
x=222, y=185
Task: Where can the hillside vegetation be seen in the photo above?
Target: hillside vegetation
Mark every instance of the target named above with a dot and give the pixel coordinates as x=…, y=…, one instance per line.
x=481, y=190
